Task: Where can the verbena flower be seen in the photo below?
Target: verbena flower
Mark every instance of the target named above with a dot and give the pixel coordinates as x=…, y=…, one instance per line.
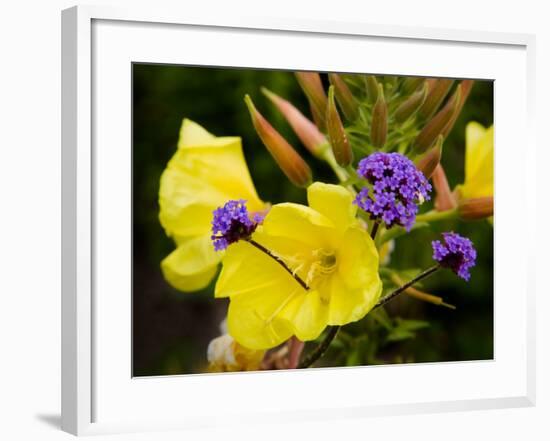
x=224, y=354
x=325, y=247
x=397, y=187
x=455, y=252
x=204, y=173
x=231, y=223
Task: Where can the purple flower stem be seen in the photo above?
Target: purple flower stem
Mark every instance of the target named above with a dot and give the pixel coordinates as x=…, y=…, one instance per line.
x=318, y=352
x=279, y=261
x=410, y=283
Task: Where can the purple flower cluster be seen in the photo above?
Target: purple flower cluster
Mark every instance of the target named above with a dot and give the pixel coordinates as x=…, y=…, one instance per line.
x=397, y=188
x=456, y=252
x=232, y=223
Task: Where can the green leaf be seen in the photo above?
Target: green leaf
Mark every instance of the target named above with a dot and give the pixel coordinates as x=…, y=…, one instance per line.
x=399, y=334
x=411, y=325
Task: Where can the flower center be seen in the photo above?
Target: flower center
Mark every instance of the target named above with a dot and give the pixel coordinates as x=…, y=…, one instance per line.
x=323, y=263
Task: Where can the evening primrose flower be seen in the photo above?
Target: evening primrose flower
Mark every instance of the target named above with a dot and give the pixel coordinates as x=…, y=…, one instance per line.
x=224, y=354
x=304, y=268
x=203, y=174
x=479, y=167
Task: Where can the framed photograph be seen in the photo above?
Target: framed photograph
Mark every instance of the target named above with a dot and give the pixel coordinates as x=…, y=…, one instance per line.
x=308, y=220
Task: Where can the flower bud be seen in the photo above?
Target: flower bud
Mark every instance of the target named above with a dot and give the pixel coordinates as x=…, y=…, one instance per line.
x=308, y=132
x=379, y=124
x=336, y=133
x=477, y=208
x=430, y=160
x=465, y=87
x=344, y=97
x=435, y=126
x=311, y=84
x=437, y=92
x=372, y=88
x=291, y=163
x=411, y=105
x=411, y=84
x=444, y=199
x=224, y=354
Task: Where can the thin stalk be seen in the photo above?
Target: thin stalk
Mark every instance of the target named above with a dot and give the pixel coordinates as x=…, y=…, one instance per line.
x=433, y=216
x=318, y=352
x=410, y=283
x=421, y=295
x=279, y=261
x=374, y=230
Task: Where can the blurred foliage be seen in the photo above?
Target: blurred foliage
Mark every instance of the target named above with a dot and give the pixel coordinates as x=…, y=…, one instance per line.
x=171, y=330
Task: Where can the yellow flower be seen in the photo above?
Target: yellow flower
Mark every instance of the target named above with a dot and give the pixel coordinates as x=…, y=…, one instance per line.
x=204, y=173
x=226, y=355
x=323, y=245
x=478, y=181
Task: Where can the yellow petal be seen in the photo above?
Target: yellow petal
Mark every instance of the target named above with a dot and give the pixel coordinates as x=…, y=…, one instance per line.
x=356, y=287
x=192, y=265
x=479, y=162
x=293, y=252
x=259, y=289
x=474, y=133
x=186, y=204
x=308, y=314
x=300, y=223
x=200, y=179
x=192, y=134
x=247, y=270
x=334, y=201
x=252, y=321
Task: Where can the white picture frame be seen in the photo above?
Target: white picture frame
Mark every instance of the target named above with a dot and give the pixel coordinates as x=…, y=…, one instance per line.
x=97, y=42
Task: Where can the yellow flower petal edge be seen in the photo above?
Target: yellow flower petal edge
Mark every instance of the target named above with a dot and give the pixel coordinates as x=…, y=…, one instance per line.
x=204, y=173
x=479, y=163
x=192, y=265
x=326, y=248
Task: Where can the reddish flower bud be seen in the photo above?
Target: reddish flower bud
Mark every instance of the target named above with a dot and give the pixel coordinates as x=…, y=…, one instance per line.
x=345, y=98
x=411, y=84
x=411, y=105
x=372, y=88
x=438, y=90
x=477, y=208
x=435, y=126
x=336, y=133
x=311, y=84
x=465, y=88
x=291, y=163
x=444, y=199
x=308, y=132
x=379, y=123
x=428, y=162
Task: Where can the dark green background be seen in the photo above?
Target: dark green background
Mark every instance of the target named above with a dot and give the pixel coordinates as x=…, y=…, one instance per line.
x=171, y=330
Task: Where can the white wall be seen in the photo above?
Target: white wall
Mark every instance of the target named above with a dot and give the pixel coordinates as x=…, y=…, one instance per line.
x=30, y=216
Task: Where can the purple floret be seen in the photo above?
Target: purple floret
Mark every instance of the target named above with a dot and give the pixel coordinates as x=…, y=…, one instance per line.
x=232, y=223
x=397, y=189
x=455, y=252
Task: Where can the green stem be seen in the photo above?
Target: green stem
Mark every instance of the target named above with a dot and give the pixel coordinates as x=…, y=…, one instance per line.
x=374, y=230
x=434, y=216
x=318, y=352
